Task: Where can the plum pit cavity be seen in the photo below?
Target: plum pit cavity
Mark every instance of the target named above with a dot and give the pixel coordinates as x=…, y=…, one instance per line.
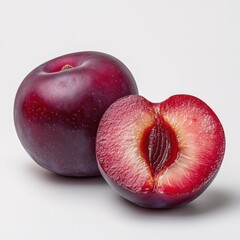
x=159, y=146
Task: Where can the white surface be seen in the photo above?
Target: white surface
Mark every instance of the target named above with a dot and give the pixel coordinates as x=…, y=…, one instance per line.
x=170, y=47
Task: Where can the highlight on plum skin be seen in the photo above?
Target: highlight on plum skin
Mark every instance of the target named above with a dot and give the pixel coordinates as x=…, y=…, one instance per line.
x=160, y=155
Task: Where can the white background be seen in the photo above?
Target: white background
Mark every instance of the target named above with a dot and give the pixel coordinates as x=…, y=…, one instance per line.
x=171, y=47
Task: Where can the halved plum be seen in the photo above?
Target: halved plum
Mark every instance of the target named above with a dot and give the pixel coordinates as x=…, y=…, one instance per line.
x=160, y=155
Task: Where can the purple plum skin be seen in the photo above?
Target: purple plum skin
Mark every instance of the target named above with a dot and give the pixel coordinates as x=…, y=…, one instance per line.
x=153, y=200
x=57, y=112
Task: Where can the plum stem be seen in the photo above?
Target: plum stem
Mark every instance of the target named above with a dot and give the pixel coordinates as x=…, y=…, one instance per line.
x=66, y=66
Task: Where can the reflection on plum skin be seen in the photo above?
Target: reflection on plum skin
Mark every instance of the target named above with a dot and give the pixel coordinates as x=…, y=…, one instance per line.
x=54, y=178
x=66, y=180
x=212, y=200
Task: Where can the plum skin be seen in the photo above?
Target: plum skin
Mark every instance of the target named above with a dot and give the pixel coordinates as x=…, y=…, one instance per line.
x=156, y=200
x=58, y=107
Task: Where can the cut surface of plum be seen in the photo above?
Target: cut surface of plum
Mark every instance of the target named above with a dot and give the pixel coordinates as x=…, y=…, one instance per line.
x=175, y=147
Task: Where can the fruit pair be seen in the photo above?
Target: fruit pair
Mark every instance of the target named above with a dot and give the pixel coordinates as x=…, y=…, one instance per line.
x=155, y=155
